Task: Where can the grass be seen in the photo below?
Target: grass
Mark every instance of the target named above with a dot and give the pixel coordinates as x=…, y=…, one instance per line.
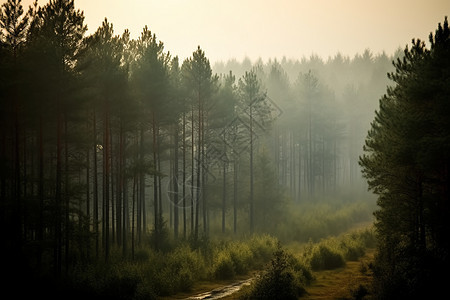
x=184, y=268
x=349, y=282
x=155, y=274
x=351, y=279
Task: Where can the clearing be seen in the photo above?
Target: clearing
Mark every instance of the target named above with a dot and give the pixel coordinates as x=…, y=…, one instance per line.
x=349, y=282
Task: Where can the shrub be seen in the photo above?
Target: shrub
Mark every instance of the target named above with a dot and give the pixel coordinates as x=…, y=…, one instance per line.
x=352, y=249
x=262, y=247
x=303, y=272
x=185, y=266
x=279, y=281
x=223, y=267
x=324, y=258
x=242, y=257
x=168, y=273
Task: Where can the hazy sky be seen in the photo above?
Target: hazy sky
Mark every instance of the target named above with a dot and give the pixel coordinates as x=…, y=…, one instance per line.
x=270, y=28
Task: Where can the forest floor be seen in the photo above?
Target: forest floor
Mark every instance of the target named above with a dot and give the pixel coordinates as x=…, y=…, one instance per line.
x=350, y=282
x=220, y=289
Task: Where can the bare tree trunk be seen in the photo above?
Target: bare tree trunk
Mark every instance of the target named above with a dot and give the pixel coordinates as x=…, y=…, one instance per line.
x=199, y=167
x=192, y=172
x=133, y=216
x=251, y=173
x=235, y=194
x=58, y=196
x=184, y=176
x=141, y=197
x=95, y=188
x=66, y=196
x=175, y=184
x=41, y=192
x=106, y=176
x=155, y=186
x=224, y=195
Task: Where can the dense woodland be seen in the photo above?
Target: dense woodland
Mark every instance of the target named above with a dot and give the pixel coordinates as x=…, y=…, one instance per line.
x=406, y=162
x=108, y=143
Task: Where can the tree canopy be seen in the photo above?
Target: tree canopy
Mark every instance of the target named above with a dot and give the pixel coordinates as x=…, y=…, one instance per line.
x=406, y=163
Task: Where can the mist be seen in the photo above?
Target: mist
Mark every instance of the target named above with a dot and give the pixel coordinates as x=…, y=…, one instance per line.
x=128, y=172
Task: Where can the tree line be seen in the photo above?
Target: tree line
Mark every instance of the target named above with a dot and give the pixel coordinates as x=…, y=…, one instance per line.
x=109, y=142
x=406, y=163
x=103, y=135
x=324, y=112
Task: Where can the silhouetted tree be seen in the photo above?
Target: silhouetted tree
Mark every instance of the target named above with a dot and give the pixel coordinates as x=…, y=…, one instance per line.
x=405, y=162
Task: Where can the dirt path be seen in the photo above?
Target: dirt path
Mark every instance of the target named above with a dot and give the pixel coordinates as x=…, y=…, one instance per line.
x=222, y=292
x=214, y=290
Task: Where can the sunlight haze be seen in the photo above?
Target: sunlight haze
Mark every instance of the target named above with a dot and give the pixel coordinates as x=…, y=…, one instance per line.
x=268, y=28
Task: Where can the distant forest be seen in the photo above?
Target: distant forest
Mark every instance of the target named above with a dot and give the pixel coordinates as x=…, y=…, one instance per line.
x=110, y=136
x=107, y=140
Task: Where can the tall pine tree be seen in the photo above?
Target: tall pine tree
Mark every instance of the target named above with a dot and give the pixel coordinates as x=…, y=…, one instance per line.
x=406, y=163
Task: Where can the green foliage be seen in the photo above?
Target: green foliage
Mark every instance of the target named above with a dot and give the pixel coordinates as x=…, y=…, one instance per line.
x=332, y=253
x=223, y=267
x=406, y=164
x=315, y=221
x=262, y=247
x=242, y=256
x=283, y=279
x=155, y=273
x=177, y=271
x=325, y=258
x=239, y=257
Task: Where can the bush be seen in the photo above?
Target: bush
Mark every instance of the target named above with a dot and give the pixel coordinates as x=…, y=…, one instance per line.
x=176, y=271
x=262, y=247
x=324, y=258
x=304, y=273
x=280, y=280
x=223, y=267
x=101, y=281
x=242, y=257
x=352, y=249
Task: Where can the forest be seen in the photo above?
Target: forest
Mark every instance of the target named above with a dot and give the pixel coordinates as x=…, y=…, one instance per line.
x=129, y=174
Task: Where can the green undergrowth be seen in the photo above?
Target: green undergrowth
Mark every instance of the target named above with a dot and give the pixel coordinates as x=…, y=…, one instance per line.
x=155, y=273
x=314, y=221
x=333, y=252
x=291, y=271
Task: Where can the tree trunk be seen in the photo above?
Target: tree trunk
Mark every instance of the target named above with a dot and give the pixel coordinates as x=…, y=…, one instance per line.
x=251, y=173
x=95, y=188
x=184, y=176
x=141, y=186
x=175, y=184
x=58, y=196
x=155, y=186
x=235, y=194
x=106, y=177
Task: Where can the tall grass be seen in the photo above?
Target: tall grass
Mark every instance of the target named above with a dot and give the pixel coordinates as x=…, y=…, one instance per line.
x=284, y=278
x=333, y=252
x=154, y=273
x=290, y=272
x=315, y=221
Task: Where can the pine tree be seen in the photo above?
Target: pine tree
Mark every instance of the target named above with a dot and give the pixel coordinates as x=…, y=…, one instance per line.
x=56, y=35
x=405, y=162
x=151, y=81
x=14, y=26
x=251, y=99
x=199, y=81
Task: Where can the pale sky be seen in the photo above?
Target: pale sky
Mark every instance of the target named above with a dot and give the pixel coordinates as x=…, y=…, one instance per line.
x=270, y=28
